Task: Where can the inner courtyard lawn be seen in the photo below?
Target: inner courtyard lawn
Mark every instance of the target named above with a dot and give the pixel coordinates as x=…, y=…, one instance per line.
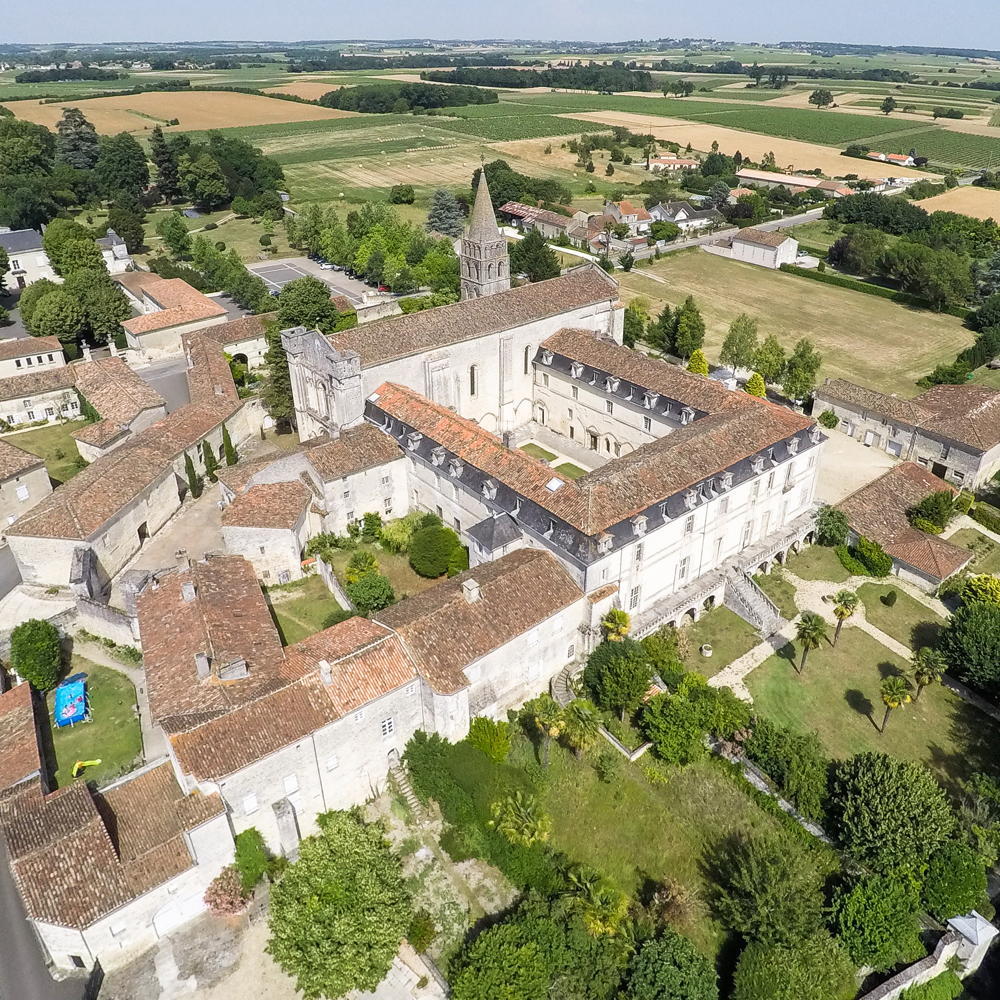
x=113, y=735
x=729, y=635
x=908, y=620
x=778, y=588
x=838, y=696
x=54, y=446
x=301, y=608
x=571, y=470
x=817, y=562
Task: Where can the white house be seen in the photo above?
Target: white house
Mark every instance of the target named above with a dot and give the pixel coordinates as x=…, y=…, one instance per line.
x=30, y=354
x=683, y=215
x=24, y=481
x=670, y=164
x=757, y=246
x=29, y=262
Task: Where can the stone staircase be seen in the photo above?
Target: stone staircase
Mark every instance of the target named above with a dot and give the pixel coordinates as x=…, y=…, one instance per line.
x=746, y=599
x=562, y=685
x=402, y=780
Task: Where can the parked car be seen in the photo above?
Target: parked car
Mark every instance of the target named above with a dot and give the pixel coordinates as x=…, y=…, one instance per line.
x=383, y=288
x=337, y=267
x=327, y=266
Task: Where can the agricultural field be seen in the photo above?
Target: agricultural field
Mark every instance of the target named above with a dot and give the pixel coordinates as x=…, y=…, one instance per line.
x=980, y=203
x=862, y=337
x=504, y=129
x=948, y=146
x=311, y=90
x=194, y=109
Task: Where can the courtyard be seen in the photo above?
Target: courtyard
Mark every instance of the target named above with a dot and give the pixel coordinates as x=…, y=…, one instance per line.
x=55, y=446
x=301, y=608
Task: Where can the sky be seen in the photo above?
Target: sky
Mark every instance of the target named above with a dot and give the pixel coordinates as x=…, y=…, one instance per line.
x=959, y=23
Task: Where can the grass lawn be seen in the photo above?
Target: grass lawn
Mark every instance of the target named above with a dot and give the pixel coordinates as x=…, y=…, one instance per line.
x=821, y=233
x=817, y=562
x=54, y=446
x=571, y=470
x=301, y=608
x=777, y=587
x=838, y=697
x=729, y=635
x=986, y=551
x=907, y=621
x=861, y=337
x=396, y=566
x=113, y=737
x=537, y=451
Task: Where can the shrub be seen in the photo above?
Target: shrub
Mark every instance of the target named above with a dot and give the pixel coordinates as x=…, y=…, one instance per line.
x=964, y=502
x=336, y=617
x=397, y=534
x=831, y=526
x=210, y=225
x=829, y=419
x=490, y=737
x=853, y=565
x=370, y=592
x=987, y=515
x=225, y=895
x=401, y=194
x=458, y=562
x=360, y=563
x=929, y=527
x=431, y=550
x=890, y=598
x=955, y=882
x=36, y=654
x=875, y=919
x=947, y=986
x=982, y=587
x=608, y=766
x=971, y=645
x=371, y=527
x=251, y=860
x=794, y=761
x=618, y=675
x=873, y=556
x=422, y=929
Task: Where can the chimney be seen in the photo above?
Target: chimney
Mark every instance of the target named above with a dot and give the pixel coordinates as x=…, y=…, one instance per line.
x=202, y=665
x=470, y=591
x=188, y=592
x=325, y=672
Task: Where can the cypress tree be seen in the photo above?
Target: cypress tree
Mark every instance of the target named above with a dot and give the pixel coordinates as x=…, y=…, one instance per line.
x=195, y=482
x=211, y=462
x=232, y=455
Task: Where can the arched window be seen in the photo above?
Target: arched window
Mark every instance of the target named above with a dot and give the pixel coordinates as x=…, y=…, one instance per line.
x=473, y=379
x=527, y=360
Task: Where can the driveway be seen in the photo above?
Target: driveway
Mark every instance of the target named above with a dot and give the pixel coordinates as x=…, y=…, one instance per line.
x=277, y=274
x=847, y=465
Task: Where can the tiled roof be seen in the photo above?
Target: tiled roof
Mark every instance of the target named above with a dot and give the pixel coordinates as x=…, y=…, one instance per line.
x=400, y=336
x=268, y=505
x=214, y=608
x=357, y=449
x=767, y=239
x=136, y=281
x=179, y=303
x=23, y=346
x=118, y=395
x=627, y=208
x=791, y=180
x=19, y=754
x=76, y=856
x=535, y=214
x=236, y=330
x=35, y=383
x=209, y=377
x=878, y=511
x=968, y=414
x=14, y=461
x=446, y=633
x=21, y=240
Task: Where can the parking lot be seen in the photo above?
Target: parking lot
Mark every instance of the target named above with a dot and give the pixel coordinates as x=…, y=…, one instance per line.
x=277, y=273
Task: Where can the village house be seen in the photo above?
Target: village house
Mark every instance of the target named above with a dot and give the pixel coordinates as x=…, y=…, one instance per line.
x=670, y=164
x=30, y=354
x=168, y=308
x=899, y=159
x=39, y=397
x=793, y=182
x=629, y=214
x=683, y=215
x=24, y=481
x=951, y=430
x=28, y=261
x=757, y=246
x=551, y=225
x=878, y=511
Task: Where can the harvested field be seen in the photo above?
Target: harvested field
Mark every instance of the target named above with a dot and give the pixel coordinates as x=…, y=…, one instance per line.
x=310, y=90
x=861, y=337
x=788, y=152
x=194, y=109
x=980, y=203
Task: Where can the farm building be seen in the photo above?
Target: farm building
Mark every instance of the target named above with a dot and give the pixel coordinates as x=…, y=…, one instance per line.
x=757, y=246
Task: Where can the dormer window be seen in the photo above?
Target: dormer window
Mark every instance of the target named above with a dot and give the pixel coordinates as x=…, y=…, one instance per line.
x=690, y=499
x=438, y=455
x=814, y=434
x=547, y=357
x=489, y=489
x=726, y=481
x=517, y=507
x=550, y=530
x=757, y=464
x=639, y=525
x=650, y=399
x=687, y=415
x=663, y=510
x=455, y=467
x=611, y=383
x=576, y=369
x=604, y=544
x=770, y=456
x=793, y=446
x=413, y=440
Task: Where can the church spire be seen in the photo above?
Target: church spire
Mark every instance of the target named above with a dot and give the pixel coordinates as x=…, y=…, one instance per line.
x=483, y=263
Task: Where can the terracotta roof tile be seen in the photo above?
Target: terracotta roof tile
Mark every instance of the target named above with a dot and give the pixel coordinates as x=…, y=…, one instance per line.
x=136, y=281
x=19, y=753
x=15, y=461
x=116, y=393
x=357, y=449
x=400, y=336
x=906, y=410
x=878, y=511
x=179, y=303
x=761, y=237
x=236, y=330
x=268, y=505
x=446, y=633
x=533, y=214
x=35, y=383
x=23, y=346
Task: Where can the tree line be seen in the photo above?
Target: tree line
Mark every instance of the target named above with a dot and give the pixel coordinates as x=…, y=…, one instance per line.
x=66, y=75
x=401, y=98
x=603, y=78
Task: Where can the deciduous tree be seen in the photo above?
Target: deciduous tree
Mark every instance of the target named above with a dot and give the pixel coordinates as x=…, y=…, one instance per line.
x=875, y=918
x=689, y=329
x=121, y=166
x=77, y=143
x=306, y=302
x=769, y=360
x=740, y=346
x=174, y=232
x=36, y=654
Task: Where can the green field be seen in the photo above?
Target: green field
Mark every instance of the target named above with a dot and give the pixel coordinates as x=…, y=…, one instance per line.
x=944, y=146
x=511, y=127
x=301, y=608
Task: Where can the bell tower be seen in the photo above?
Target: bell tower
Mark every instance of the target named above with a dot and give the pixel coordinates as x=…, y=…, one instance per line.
x=484, y=265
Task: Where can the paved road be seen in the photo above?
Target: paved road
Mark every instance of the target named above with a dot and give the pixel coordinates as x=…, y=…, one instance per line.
x=23, y=975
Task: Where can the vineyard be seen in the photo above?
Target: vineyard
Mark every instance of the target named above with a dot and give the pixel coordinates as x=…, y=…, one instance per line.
x=517, y=127
x=950, y=148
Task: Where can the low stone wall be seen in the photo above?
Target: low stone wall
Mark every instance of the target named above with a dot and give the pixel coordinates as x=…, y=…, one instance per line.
x=918, y=973
x=328, y=577
x=107, y=622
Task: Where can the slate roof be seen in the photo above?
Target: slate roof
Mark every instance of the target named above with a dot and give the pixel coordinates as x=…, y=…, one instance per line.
x=179, y=303
x=761, y=237
x=21, y=241
x=21, y=347
x=76, y=855
x=401, y=336
x=446, y=633
x=15, y=461
x=878, y=511
x=19, y=754
x=495, y=532
x=357, y=449
x=268, y=505
x=118, y=395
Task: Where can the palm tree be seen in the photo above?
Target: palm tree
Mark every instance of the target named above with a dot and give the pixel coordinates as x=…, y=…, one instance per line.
x=547, y=718
x=810, y=631
x=615, y=624
x=928, y=667
x=602, y=907
x=518, y=819
x=845, y=603
x=581, y=725
x=895, y=694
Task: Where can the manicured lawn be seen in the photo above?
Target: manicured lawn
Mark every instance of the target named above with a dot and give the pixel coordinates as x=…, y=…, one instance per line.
x=113, y=736
x=537, y=451
x=838, y=696
x=908, y=621
x=817, y=562
x=729, y=635
x=571, y=470
x=777, y=587
x=301, y=608
x=986, y=551
x=396, y=566
x=54, y=446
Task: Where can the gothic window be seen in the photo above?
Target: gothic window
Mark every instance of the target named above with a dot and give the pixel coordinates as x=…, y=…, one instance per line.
x=473, y=380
